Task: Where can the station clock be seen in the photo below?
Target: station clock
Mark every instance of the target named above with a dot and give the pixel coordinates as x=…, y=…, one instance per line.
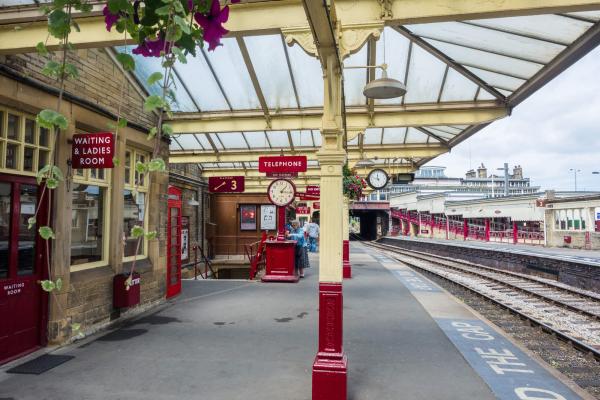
x=377, y=179
x=281, y=192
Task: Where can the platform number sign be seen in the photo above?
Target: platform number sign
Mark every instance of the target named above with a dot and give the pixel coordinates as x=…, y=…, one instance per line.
x=226, y=184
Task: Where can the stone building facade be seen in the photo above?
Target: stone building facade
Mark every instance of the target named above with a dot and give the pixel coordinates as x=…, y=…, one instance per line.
x=93, y=210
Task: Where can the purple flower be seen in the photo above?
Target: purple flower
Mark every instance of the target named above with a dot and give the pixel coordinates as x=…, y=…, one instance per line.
x=190, y=5
x=152, y=48
x=235, y=1
x=109, y=18
x=212, y=22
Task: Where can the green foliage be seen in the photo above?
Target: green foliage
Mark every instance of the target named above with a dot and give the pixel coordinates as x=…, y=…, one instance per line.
x=41, y=49
x=157, y=164
x=52, y=69
x=167, y=129
x=153, y=102
x=46, y=233
x=154, y=77
x=59, y=23
x=52, y=174
x=140, y=167
x=50, y=118
x=48, y=285
x=126, y=61
x=122, y=123
x=75, y=328
x=58, y=284
x=31, y=221
x=152, y=133
x=151, y=235
x=116, y=161
x=137, y=231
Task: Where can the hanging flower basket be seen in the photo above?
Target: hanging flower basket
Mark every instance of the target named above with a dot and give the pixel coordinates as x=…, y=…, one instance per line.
x=353, y=184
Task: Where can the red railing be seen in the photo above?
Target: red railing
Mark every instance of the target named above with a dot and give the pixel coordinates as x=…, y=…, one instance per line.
x=256, y=255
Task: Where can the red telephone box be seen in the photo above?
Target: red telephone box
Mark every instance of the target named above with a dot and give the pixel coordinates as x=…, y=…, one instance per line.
x=174, y=242
x=23, y=303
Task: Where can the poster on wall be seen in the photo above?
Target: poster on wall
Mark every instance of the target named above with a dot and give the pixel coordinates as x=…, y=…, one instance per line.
x=268, y=217
x=248, y=217
x=185, y=238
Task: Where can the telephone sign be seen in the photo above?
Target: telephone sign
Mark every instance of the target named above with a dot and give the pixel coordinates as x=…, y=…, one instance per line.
x=226, y=184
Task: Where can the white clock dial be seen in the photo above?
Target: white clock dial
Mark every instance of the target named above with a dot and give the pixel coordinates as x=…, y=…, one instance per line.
x=281, y=192
x=378, y=178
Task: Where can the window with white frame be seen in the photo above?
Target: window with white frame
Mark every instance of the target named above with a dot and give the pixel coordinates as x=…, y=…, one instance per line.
x=90, y=215
x=135, y=198
x=570, y=219
x=24, y=145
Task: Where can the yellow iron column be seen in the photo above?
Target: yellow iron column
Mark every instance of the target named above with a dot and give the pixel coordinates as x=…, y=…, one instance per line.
x=330, y=365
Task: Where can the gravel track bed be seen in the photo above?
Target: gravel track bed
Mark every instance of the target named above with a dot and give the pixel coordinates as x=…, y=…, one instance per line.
x=583, y=369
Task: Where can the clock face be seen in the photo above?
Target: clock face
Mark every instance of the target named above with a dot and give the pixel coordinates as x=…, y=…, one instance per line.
x=281, y=192
x=378, y=178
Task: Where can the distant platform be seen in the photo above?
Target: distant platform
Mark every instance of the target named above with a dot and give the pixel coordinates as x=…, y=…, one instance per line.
x=405, y=338
x=591, y=257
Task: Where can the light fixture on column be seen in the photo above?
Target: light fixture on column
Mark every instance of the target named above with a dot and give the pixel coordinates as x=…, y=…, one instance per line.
x=193, y=201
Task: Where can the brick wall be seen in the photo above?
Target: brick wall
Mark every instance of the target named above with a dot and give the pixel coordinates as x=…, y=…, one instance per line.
x=575, y=274
x=99, y=82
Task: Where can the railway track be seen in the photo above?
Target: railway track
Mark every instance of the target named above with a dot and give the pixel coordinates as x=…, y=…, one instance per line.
x=569, y=313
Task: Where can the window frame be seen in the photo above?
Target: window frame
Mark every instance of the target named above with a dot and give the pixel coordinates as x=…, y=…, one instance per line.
x=106, y=183
x=131, y=185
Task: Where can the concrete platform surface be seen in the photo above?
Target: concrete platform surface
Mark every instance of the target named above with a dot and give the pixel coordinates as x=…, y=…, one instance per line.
x=558, y=253
x=231, y=340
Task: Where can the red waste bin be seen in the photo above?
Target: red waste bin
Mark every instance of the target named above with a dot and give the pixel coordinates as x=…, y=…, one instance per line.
x=567, y=239
x=123, y=297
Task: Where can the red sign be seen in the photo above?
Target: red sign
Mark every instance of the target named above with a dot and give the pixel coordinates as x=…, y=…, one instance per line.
x=317, y=205
x=285, y=164
x=305, y=197
x=226, y=184
x=313, y=190
x=93, y=150
x=302, y=210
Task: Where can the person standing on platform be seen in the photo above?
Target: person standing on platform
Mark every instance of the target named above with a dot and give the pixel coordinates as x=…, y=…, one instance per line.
x=312, y=229
x=301, y=256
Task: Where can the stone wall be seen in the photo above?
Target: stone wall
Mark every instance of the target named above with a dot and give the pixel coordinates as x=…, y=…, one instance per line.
x=100, y=81
x=576, y=274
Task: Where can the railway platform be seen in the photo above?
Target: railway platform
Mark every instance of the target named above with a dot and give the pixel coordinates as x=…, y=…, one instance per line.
x=591, y=257
x=405, y=337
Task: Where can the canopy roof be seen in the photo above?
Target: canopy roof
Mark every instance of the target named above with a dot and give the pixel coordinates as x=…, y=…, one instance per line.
x=262, y=91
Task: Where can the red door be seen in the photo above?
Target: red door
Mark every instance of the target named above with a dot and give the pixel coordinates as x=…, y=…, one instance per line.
x=22, y=264
x=174, y=242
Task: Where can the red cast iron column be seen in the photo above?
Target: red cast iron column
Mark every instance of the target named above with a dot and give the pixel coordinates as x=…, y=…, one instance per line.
x=465, y=228
x=347, y=267
x=515, y=233
x=487, y=230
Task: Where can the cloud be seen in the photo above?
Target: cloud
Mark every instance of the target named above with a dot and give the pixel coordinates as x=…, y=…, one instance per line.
x=556, y=129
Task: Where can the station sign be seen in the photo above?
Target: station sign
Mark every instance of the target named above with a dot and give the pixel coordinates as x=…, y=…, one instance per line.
x=302, y=210
x=282, y=164
x=282, y=174
x=313, y=190
x=92, y=150
x=226, y=184
x=317, y=205
x=305, y=197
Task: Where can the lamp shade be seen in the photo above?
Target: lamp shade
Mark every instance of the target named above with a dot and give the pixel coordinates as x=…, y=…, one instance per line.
x=384, y=88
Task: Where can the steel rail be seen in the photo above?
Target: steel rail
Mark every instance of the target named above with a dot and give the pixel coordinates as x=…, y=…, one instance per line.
x=576, y=343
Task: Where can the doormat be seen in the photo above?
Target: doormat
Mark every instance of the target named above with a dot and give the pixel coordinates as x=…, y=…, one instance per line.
x=40, y=365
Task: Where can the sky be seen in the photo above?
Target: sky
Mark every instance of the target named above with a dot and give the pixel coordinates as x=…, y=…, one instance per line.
x=554, y=130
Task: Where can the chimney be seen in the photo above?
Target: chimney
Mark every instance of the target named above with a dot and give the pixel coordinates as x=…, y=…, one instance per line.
x=470, y=173
x=517, y=172
x=482, y=171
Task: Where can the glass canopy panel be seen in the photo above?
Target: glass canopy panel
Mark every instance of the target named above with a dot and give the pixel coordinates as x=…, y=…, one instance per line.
x=355, y=79
x=396, y=56
x=201, y=137
x=413, y=135
x=231, y=71
x=354, y=141
x=232, y=140
x=505, y=92
x=372, y=136
x=189, y=142
x=307, y=76
x=268, y=59
x=445, y=128
x=425, y=76
x=205, y=91
x=174, y=145
x=442, y=134
x=553, y=28
x=215, y=139
x=393, y=135
x=257, y=140
x=498, y=80
x=591, y=15
x=489, y=40
x=458, y=88
x=146, y=66
x=278, y=139
x=316, y=134
x=302, y=138
x=484, y=95
x=486, y=60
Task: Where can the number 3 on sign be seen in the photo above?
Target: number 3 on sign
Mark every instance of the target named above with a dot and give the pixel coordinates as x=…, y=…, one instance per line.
x=233, y=185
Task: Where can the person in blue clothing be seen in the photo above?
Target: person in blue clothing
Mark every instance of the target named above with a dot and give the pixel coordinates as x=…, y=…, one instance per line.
x=301, y=259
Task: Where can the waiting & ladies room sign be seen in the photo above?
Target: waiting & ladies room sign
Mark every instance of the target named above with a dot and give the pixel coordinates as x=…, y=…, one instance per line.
x=92, y=150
